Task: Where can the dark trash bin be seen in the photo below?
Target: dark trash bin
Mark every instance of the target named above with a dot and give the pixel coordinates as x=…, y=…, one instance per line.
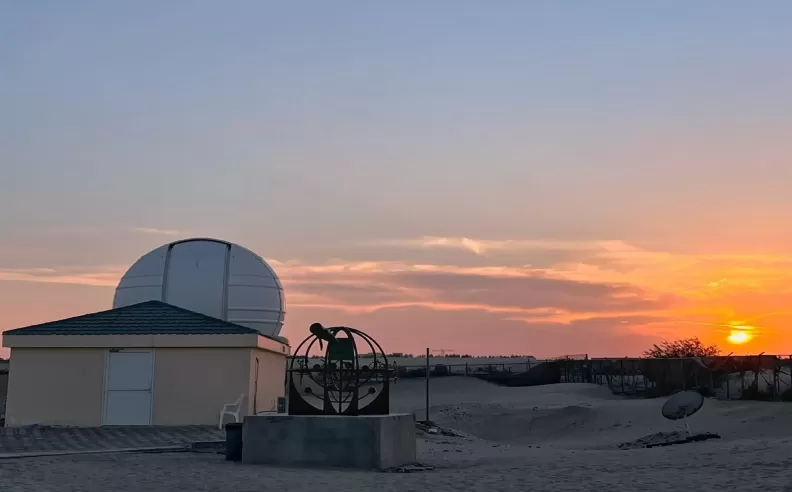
x=233, y=444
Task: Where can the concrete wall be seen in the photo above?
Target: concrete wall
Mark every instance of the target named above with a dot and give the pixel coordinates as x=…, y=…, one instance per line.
x=270, y=382
x=366, y=441
x=55, y=386
x=191, y=385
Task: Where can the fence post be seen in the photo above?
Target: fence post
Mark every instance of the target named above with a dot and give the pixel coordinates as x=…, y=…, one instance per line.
x=634, y=378
x=684, y=376
x=427, y=385
x=589, y=370
x=599, y=373
x=621, y=374
x=776, y=387
x=466, y=368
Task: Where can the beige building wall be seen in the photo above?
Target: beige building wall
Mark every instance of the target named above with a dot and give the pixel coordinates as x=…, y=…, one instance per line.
x=54, y=386
x=191, y=385
x=270, y=382
x=65, y=386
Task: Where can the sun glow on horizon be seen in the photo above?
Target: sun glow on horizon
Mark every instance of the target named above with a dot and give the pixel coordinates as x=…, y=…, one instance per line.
x=739, y=337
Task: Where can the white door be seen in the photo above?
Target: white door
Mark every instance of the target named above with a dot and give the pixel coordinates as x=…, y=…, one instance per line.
x=128, y=383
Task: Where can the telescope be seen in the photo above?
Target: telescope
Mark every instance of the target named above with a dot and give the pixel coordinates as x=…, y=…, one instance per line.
x=322, y=333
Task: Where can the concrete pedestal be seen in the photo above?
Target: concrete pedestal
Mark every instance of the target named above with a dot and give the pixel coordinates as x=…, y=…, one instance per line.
x=366, y=441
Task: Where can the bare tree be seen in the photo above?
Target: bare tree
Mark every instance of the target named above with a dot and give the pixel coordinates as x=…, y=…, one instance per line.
x=685, y=347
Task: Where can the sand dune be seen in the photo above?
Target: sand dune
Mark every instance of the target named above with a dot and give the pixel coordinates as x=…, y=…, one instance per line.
x=551, y=438
x=576, y=416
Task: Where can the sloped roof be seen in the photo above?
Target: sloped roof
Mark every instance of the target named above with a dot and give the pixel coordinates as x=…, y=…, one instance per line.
x=145, y=318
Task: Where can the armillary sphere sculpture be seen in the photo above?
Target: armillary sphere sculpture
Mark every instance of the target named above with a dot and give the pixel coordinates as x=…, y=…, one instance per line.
x=339, y=380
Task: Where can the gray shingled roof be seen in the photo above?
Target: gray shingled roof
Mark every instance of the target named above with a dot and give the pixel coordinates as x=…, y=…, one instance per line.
x=145, y=318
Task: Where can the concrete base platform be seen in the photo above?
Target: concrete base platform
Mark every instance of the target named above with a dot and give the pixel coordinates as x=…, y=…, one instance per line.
x=366, y=441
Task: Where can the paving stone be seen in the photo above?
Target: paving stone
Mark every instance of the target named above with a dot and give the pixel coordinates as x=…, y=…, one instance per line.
x=34, y=439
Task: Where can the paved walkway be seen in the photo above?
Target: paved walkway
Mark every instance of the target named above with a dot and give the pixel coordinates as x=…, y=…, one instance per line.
x=47, y=440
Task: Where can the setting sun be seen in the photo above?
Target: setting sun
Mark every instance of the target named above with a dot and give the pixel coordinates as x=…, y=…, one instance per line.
x=738, y=336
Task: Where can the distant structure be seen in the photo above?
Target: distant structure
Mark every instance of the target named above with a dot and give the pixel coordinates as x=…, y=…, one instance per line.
x=208, y=276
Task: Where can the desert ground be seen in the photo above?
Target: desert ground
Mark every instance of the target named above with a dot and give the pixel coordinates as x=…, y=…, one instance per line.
x=551, y=438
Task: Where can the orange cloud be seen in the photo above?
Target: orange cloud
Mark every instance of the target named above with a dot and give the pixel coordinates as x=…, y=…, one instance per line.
x=533, y=283
x=102, y=276
x=485, y=246
x=162, y=232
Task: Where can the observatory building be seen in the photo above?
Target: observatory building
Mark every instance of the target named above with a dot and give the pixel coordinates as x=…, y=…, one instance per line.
x=195, y=326
x=216, y=278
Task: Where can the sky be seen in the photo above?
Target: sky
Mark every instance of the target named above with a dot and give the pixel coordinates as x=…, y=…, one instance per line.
x=508, y=177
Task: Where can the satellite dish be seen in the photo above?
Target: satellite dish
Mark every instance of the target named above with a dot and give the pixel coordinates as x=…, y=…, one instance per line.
x=683, y=405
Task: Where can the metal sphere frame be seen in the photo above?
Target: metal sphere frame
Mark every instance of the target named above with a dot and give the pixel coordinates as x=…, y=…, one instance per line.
x=335, y=386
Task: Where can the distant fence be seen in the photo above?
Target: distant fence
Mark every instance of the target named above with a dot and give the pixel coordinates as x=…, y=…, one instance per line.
x=568, y=357
x=751, y=377
x=417, y=367
x=465, y=369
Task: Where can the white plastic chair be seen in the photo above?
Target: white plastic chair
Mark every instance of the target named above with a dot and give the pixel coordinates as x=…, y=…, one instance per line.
x=231, y=409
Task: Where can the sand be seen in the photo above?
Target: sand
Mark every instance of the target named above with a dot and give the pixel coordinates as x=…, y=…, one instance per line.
x=549, y=438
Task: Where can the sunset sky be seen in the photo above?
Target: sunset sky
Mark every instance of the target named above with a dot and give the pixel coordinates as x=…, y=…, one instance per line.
x=529, y=177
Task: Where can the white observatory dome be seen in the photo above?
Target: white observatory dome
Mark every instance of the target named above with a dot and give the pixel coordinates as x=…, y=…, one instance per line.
x=208, y=276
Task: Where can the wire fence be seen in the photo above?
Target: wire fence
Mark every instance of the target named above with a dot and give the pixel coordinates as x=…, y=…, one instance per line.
x=750, y=377
x=465, y=369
